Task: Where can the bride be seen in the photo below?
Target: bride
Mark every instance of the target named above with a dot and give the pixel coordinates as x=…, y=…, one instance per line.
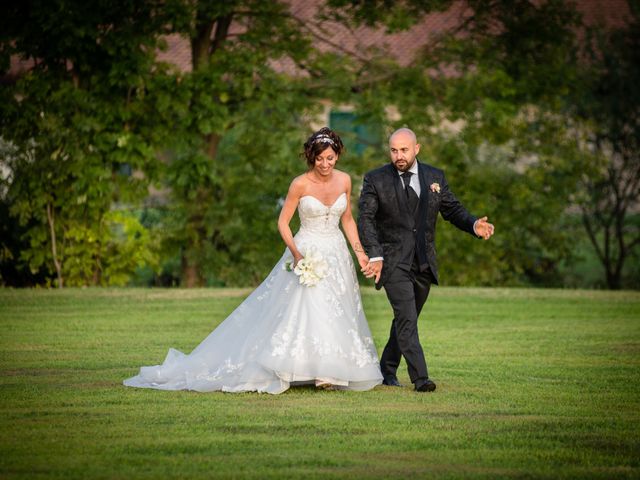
x=290, y=331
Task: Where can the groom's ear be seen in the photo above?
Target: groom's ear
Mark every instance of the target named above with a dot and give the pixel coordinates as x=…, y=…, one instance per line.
x=417, y=148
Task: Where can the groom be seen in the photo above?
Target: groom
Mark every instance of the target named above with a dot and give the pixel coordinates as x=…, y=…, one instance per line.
x=399, y=205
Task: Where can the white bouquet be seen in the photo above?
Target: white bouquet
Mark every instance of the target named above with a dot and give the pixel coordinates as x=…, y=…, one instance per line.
x=311, y=269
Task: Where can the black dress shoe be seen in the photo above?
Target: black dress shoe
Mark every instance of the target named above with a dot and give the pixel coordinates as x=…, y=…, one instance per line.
x=425, y=386
x=391, y=381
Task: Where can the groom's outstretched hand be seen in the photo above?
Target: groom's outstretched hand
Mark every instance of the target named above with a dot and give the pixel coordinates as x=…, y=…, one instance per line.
x=373, y=270
x=483, y=228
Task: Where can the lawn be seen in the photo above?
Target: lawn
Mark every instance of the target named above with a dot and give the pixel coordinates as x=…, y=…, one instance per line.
x=531, y=384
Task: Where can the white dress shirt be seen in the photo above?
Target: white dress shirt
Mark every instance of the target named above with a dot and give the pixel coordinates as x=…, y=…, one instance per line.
x=415, y=181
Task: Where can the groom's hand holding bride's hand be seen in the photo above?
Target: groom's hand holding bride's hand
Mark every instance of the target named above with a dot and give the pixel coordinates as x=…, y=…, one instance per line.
x=363, y=259
x=373, y=269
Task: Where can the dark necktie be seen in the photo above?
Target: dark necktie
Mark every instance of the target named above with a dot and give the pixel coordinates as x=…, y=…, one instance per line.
x=412, y=196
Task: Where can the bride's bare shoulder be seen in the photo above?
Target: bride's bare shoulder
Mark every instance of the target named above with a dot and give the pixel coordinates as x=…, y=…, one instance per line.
x=343, y=177
x=299, y=184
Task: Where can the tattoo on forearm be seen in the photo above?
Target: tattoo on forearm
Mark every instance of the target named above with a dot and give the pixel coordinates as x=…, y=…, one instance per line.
x=358, y=248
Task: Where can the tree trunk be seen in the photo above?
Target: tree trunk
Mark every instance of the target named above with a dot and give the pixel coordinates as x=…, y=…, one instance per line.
x=213, y=141
x=191, y=277
x=54, y=252
x=612, y=260
x=200, y=45
x=613, y=280
x=204, y=44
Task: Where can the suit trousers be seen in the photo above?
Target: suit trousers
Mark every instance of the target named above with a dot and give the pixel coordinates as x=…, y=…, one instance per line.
x=407, y=289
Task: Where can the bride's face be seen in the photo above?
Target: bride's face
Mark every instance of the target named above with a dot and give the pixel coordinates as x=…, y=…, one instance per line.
x=325, y=162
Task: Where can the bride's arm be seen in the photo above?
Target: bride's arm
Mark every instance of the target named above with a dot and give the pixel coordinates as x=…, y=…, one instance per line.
x=288, y=209
x=351, y=229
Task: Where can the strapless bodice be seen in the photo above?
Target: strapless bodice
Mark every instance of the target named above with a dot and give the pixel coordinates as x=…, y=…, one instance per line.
x=319, y=218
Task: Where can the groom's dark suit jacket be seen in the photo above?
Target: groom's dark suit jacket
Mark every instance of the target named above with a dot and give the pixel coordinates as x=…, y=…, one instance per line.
x=389, y=229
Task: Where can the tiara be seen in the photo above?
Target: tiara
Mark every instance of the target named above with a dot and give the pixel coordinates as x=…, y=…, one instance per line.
x=324, y=138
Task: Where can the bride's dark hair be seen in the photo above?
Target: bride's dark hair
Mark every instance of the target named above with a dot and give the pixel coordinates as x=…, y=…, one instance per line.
x=319, y=141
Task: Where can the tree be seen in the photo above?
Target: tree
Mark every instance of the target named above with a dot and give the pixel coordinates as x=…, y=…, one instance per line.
x=74, y=120
x=96, y=102
x=610, y=110
x=232, y=45
x=240, y=120
x=487, y=102
x=98, y=119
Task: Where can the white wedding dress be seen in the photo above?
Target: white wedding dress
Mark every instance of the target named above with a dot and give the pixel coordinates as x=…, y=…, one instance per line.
x=285, y=333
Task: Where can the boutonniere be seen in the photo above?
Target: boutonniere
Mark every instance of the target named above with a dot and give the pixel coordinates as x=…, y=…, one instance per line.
x=435, y=187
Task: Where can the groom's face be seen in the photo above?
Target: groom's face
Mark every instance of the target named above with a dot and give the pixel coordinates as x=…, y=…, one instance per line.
x=403, y=150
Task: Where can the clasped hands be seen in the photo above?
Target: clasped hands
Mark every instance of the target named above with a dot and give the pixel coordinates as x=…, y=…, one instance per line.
x=370, y=269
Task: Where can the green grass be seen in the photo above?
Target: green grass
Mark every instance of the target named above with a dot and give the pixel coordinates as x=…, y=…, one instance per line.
x=531, y=384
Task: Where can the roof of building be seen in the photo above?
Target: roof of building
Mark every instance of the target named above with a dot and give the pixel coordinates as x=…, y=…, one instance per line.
x=402, y=46
x=363, y=41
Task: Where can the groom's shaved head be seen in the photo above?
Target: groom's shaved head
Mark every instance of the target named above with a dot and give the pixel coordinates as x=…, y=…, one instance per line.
x=404, y=132
x=403, y=148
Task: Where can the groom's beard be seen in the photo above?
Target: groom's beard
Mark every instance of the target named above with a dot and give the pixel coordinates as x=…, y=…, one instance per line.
x=404, y=165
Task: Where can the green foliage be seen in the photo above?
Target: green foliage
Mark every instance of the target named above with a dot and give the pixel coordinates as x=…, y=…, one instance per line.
x=608, y=105
x=76, y=120
x=238, y=124
x=67, y=176
x=113, y=248
x=488, y=108
x=506, y=109
x=393, y=14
